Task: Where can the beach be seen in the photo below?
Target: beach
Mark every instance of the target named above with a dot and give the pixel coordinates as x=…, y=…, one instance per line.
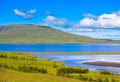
x=103, y=63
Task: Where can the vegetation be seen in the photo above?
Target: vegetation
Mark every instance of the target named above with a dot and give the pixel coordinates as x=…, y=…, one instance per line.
x=18, y=67
x=64, y=71
x=16, y=76
x=18, y=56
x=21, y=67
x=42, y=34
x=106, y=72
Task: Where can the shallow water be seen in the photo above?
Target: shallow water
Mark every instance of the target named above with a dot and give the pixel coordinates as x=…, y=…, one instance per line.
x=78, y=59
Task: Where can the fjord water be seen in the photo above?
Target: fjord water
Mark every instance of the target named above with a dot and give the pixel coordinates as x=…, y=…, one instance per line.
x=60, y=47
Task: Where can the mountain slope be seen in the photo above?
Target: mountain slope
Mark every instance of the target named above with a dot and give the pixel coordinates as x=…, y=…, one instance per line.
x=41, y=34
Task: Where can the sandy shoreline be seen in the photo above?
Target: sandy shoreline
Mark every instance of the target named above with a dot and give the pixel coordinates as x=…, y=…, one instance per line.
x=103, y=63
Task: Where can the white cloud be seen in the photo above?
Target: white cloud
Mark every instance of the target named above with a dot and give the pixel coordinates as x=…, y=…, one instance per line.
x=29, y=13
x=89, y=16
x=56, y=21
x=104, y=21
x=50, y=19
x=32, y=11
x=87, y=22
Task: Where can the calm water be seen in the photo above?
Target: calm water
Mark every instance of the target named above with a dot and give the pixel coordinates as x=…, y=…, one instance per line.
x=76, y=60
x=60, y=47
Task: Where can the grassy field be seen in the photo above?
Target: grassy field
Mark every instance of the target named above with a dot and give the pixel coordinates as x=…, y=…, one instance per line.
x=16, y=76
x=42, y=34
x=21, y=67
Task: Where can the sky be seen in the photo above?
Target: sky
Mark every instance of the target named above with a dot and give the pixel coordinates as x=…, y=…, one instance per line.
x=93, y=18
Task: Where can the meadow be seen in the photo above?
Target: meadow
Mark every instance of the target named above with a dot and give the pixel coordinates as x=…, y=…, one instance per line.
x=23, y=67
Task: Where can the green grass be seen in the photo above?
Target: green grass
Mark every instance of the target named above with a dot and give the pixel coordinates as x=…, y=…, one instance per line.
x=19, y=59
x=16, y=76
x=42, y=34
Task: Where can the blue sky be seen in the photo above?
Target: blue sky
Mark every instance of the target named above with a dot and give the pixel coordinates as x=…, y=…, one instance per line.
x=94, y=18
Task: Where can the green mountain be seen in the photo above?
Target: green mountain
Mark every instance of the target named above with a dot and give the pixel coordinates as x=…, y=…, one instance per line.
x=28, y=33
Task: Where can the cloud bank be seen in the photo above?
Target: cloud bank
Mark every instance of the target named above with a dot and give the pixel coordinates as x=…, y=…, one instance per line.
x=103, y=21
x=88, y=23
x=27, y=15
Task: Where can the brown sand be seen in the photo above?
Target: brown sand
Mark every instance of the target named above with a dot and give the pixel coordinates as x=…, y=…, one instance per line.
x=103, y=63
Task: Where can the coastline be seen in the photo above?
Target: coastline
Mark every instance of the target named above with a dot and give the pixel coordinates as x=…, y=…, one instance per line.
x=103, y=63
x=79, y=53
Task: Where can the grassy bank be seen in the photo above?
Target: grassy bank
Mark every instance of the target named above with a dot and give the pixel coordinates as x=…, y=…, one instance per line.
x=19, y=67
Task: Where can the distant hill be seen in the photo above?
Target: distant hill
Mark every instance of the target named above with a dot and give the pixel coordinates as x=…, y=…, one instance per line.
x=28, y=33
